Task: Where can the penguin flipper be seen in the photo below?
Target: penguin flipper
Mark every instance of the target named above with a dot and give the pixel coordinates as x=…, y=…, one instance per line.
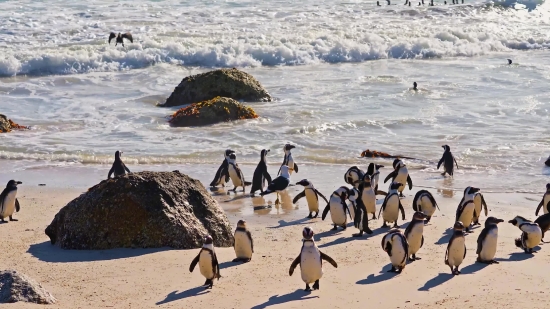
x=388, y=248
x=17, y=206
x=267, y=176
x=455, y=162
x=380, y=192
x=539, y=206
x=319, y=193
x=480, y=239
x=346, y=208
x=294, y=264
x=127, y=170
x=249, y=235
x=415, y=200
x=484, y=204
x=328, y=259
x=402, y=210
x=422, y=242
x=299, y=196
x=383, y=205
x=432, y=199
x=325, y=211
x=111, y=171
x=410, y=182
x=440, y=161
x=194, y=262
x=390, y=175
x=296, y=167
x=219, y=174
x=216, y=265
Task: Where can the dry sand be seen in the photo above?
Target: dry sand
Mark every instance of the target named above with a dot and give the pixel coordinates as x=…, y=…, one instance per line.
x=159, y=278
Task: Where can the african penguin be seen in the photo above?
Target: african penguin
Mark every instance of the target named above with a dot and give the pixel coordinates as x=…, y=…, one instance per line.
x=396, y=246
x=8, y=201
x=374, y=171
x=545, y=202
x=208, y=262
x=368, y=195
x=278, y=184
x=544, y=224
x=244, y=245
x=260, y=174
x=120, y=38
x=360, y=217
x=118, y=168
x=479, y=201
x=312, y=197
x=288, y=160
x=456, y=249
x=425, y=202
x=487, y=241
x=338, y=208
x=531, y=234
x=311, y=261
x=236, y=175
x=465, y=214
x=469, y=194
x=391, y=206
x=414, y=234
x=353, y=176
x=222, y=175
x=400, y=175
x=448, y=161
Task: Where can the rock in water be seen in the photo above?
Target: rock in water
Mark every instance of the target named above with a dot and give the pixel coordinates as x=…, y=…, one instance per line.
x=16, y=287
x=212, y=111
x=230, y=83
x=6, y=125
x=141, y=210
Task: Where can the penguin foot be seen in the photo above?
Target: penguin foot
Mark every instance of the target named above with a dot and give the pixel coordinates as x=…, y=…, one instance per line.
x=316, y=285
x=368, y=231
x=310, y=216
x=443, y=174
x=385, y=225
x=228, y=193
x=392, y=270
x=357, y=234
x=2, y=220
x=277, y=202
x=344, y=227
x=401, y=194
x=395, y=225
x=334, y=228
x=208, y=283
x=414, y=258
x=307, y=289
x=494, y=262
x=12, y=219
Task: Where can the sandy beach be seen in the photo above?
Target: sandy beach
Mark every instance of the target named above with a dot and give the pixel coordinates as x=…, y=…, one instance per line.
x=159, y=278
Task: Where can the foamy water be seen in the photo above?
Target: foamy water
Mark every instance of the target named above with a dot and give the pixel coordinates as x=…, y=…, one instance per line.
x=340, y=74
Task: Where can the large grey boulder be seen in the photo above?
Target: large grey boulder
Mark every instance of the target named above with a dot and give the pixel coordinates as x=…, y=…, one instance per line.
x=17, y=287
x=141, y=210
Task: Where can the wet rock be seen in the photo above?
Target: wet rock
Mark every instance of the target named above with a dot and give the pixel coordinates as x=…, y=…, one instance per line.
x=6, y=125
x=217, y=110
x=17, y=287
x=378, y=154
x=230, y=83
x=141, y=210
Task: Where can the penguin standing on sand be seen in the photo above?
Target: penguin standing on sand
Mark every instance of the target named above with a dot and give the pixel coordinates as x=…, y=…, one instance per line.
x=487, y=241
x=312, y=197
x=278, y=184
x=544, y=224
x=448, y=161
x=288, y=160
x=208, y=262
x=465, y=214
x=415, y=234
x=456, y=249
x=396, y=246
x=260, y=174
x=374, y=171
x=311, y=261
x=425, y=202
x=400, y=175
x=545, y=202
x=236, y=175
x=368, y=195
x=391, y=206
x=531, y=235
x=479, y=201
x=353, y=176
x=222, y=175
x=244, y=245
x=8, y=201
x=118, y=168
x=360, y=218
x=338, y=208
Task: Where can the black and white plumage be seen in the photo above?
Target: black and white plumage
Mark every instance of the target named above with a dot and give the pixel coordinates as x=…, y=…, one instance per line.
x=545, y=202
x=448, y=161
x=360, y=218
x=120, y=38
x=236, y=174
x=278, y=184
x=118, y=167
x=425, y=202
x=367, y=194
x=487, y=241
x=395, y=244
x=400, y=175
x=456, y=249
x=374, y=171
x=288, y=160
x=465, y=214
x=415, y=234
x=338, y=208
x=544, y=224
x=208, y=262
x=8, y=201
x=531, y=235
x=261, y=175
x=509, y=61
x=480, y=204
x=222, y=174
x=243, y=245
x=391, y=206
x=353, y=176
x=312, y=197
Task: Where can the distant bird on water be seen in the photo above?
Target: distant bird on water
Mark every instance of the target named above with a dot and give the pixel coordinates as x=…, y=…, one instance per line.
x=509, y=61
x=415, y=86
x=120, y=37
x=378, y=3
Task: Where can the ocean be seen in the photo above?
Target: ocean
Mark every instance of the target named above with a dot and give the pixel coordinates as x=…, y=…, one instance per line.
x=340, y=73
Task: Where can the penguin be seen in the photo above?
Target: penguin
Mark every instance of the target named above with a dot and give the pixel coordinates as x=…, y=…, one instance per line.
x=415, y=85
x=448, y=161
x=118, y=168
x=547, y=162
x=378, y=3
x=374, y=171
x=360, y=217
x=389, y=3
x=120, y=37
x=406, y=1
x=312, y=197
x=400, y=175
x=353, y=176
x=531, y=234
x=456, y=249
x=391, y=206
x=545, y=202
x=278, y=184
x=310, y=260
x=544, y=224
x=445, y=2
x=465, y=214
x=368, y=195
x=414, y=234
x=469, y=194
x=244, y=245
x=288, y=160
x=236, y=175
x=208, y=262
x=396, y=246
x=479, y=201
x=487, y=241
x=8, y=201
x=338, y=208
x=260, y=174
x=425, y=202
x=222, y=175
x=509, y=61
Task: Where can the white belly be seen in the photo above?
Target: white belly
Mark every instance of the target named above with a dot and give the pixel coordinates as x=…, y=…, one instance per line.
x=533, y=239
x=243, y=247
x=234, y=176
x=369, y=199
x=312, y=202
x=351, y=207
x=402, y=176
x=477, y=203
x=310, y=264
x=415, y=238
x=467, y=215
x=8, y=207
x=290, y=164
x=489, y=246
x=391, y=212
x=398, y=257
x=337, y=213
x=456, y=252
x=545, y=203
x=205, y=265
x=426, y=205
x=375, y=180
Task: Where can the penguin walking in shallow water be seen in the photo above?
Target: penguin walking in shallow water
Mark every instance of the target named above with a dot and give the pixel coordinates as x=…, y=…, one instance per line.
x=118, y=168
x=278, y=184
x=222, y=175
x=310, y=260
x=353, y=176
x=425, y=202
x=545, y=202
x=487, y=241
x=312, y=197
x=338, y=208
x=415, y=234
x=400, y=175
x=465, y=214
x=479, y=202
x=531, y=235
x=360, y=217
x=236, y=175
x=288, y=160
x=391, y=206
x=448, y=161
x=244, y=245
x=261, y=175
x=8, y=201
x=396, y=246
x=456, y=249
x=208, y=262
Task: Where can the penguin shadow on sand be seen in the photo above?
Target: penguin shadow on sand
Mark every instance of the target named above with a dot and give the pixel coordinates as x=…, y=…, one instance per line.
x=383, y=275
x=283, y=223
x=346, y=239
x=444, y=277
x=174, y=296
x=282, y=299
x=445, y=237
x=518, y=256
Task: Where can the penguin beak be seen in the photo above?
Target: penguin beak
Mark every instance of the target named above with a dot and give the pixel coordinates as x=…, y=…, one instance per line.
x=18, y=182
x=513, y=221
x=268, y=150
x=499, y=221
